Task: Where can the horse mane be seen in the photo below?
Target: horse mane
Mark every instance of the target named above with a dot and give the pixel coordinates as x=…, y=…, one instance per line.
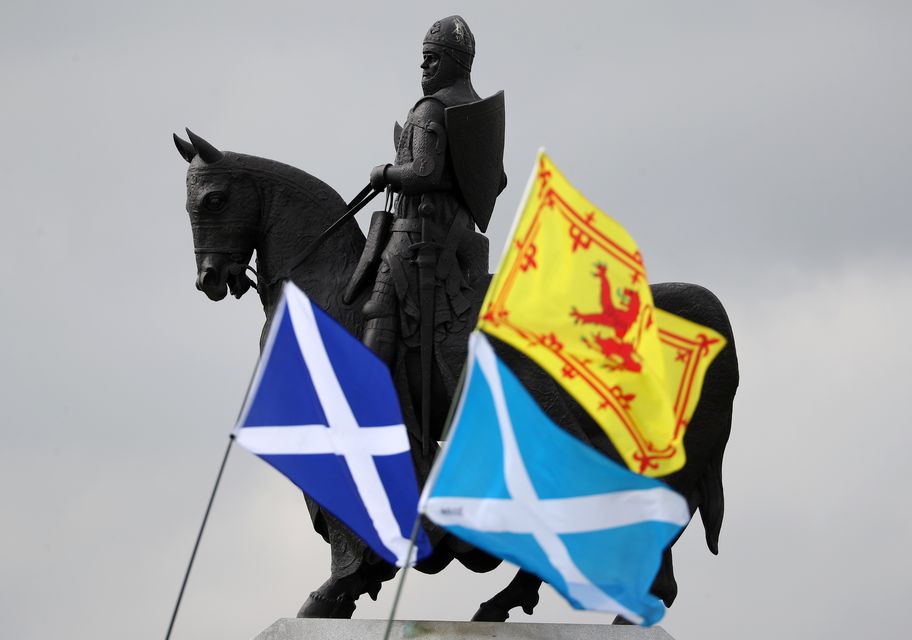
x=321, y=194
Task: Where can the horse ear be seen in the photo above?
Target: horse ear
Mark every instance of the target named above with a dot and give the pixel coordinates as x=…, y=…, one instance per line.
x=206, y=151
x=187, y=150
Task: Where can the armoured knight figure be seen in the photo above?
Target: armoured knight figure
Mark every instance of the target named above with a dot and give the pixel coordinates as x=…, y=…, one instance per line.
x=447, y=174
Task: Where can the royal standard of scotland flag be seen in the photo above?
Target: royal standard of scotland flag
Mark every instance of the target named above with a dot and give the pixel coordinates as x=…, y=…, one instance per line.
x=571, y=293
x=545, y=501
x=323, y=411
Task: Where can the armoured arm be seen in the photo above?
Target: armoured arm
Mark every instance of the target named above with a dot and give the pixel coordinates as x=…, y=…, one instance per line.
x=428, y=149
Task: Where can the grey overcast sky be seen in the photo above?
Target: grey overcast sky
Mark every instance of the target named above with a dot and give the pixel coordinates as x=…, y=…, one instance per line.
x=762, y=149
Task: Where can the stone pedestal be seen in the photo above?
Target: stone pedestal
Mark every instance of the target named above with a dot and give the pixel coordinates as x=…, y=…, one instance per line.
x=323, y=629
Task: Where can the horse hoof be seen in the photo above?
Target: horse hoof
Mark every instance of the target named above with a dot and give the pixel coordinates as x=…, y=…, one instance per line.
x=490, y=611
x=621, y=620
x=319, y=606
x=497, y=609
x=527, y=607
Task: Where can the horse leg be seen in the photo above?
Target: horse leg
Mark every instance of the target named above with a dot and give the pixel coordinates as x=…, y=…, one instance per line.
x=521, y=592
x=336, y=598
x=664, y=587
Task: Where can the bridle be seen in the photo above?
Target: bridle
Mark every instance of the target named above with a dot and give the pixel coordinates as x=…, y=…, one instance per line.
x=361, y=200
x=230, y=251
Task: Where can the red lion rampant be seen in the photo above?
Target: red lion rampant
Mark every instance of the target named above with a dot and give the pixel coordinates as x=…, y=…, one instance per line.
x=610, y=316
x=615, y=317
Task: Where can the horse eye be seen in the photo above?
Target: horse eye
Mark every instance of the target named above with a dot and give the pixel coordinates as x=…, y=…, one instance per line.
x=215, y=201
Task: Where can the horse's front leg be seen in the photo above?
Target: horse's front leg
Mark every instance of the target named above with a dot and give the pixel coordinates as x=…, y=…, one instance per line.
x=337, y=597
x=521, y=592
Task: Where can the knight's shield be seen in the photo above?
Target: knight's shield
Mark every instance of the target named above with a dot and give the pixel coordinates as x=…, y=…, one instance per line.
x=475, y=132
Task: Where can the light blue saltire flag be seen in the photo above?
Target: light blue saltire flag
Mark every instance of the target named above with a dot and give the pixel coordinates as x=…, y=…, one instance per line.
x=513, y=483
x=323, y=411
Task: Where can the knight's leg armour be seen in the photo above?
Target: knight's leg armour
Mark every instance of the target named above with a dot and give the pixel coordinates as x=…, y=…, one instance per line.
x=381, y=331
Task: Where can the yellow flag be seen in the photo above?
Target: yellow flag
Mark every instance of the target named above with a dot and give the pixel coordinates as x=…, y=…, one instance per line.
x=571, y=293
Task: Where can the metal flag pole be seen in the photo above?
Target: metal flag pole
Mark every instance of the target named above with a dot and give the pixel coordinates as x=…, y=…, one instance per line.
x=199, y=536
x=408, y=558
x=460, y=385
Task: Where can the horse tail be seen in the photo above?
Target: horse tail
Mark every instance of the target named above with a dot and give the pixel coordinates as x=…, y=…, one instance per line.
x=709, y=492
x=712, y=499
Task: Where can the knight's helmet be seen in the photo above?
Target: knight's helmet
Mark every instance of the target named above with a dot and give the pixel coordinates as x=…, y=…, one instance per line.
x=454, y=35
x=454, y=42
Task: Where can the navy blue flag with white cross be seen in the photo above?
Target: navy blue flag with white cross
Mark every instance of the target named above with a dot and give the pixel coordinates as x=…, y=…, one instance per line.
x=323, y=411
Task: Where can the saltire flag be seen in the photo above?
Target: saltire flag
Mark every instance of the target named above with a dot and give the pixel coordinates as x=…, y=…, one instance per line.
x=513, y=483
x=571, y=293
x=322, y=410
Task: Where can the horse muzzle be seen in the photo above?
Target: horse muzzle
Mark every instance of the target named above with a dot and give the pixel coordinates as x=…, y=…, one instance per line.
x=212, y=280
x=220, y=273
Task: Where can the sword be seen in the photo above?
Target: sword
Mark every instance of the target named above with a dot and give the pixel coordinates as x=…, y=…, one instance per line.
x=427, y=267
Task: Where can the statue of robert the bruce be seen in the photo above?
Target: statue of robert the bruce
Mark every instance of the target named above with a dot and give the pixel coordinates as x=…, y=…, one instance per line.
x=447, y=173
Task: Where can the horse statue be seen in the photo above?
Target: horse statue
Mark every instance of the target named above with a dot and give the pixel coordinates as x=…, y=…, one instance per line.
x=241, y=204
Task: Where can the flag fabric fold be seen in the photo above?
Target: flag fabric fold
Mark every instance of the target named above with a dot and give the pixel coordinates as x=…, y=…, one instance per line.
x=323, y=411
x=571, y=293
x=513, y=483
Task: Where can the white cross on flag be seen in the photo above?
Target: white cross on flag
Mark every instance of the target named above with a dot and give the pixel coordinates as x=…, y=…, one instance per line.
x=513, y=483
x=323, y=411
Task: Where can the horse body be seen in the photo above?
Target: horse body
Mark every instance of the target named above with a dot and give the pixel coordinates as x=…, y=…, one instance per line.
x=239, y=204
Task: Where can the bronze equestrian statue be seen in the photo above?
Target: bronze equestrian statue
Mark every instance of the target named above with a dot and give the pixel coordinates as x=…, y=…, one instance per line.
x=413, y=290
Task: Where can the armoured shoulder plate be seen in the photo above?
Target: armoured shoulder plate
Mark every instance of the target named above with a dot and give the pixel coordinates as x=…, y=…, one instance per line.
x=475, y=132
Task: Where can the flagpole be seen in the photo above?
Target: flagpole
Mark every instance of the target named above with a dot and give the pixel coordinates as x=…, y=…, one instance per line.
x=408, y=558
x=199, y=536
x=448, y=423
x=446, y=428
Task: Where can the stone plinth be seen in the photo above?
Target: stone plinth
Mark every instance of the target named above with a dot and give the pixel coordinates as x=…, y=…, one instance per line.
x=323, y=629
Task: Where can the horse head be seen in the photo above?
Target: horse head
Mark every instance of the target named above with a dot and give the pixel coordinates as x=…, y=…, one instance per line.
x=224, y=213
